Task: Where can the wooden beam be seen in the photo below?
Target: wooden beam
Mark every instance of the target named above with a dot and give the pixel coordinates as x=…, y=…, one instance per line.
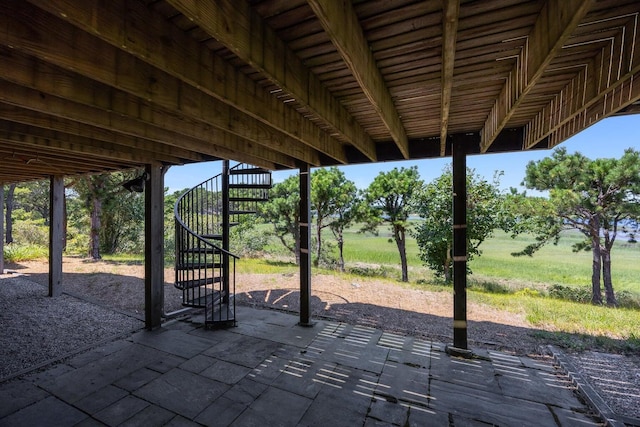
x=259, y=46
x=343, y=27
x=182, y=108
x=161, y=128
x=604, y=85
x=555, y=23
x=56, y=234
x=86, y=138
x=154, y=246
x=44, y=139
x=136, y=29
x=451, y=11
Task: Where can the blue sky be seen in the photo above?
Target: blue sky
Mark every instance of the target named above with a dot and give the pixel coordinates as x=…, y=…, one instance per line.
x=607, y=138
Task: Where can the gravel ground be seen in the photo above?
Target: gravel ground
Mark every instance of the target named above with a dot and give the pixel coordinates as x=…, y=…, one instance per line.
x=35, y=328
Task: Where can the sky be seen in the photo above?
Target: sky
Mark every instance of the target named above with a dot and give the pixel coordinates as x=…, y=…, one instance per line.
x=607, y=138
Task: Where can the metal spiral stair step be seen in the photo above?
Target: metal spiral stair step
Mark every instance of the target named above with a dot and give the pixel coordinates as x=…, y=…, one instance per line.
x=248, y=199
x=201, y=250
x=249, y=171
x=194, y=283
x=250, y=186
x=197, y=265
x=202, y=301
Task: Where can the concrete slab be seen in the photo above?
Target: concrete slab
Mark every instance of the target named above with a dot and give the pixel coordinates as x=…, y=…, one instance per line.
x=45, y=413
x=174, y=342
x=17, y=394
x=488, y=407
x=273, y=372
x=152, y=415
x=274, y=407
x=120, y=411
x=76, y=384
x=182, y=392
x=254, y=350
x=225, y=372
x=101, y=399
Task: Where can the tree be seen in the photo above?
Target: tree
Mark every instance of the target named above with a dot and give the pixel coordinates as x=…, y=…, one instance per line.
x=333, y=198
x=596, y=197
x=389, y=199
x=435, y=205
x=283, y=211
x=116, y=216
x=9, y=213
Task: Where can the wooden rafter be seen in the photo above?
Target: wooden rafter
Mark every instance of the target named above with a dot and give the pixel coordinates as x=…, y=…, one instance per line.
x=451, y=10
x=343, y=28
x=556, y=22
x=242, y=31
x=134, y=45
x=605, y=84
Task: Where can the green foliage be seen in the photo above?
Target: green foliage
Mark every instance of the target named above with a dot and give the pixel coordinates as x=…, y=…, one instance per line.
x=596, y=197
x=485, y=212
x=570, y=293
x=116, y=215
x=15, y=252
x=247, y=240
x=389, y=198
x=282, y=211
x=370, y=270
x=31, y=232
x=335, y=202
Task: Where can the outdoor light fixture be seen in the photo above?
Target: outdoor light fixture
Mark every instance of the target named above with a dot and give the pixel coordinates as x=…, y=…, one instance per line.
x=136, y=184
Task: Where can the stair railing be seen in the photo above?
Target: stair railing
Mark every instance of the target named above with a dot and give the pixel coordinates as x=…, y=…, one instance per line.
x=204, y=270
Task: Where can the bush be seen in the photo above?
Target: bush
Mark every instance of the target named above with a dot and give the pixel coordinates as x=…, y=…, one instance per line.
x=30, y=232
x=576, y=294
x=247, y=240
x=627, y=299
x=369, y=271
x=15, y=252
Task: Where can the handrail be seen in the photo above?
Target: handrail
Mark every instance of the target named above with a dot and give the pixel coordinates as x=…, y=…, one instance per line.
x=178, y=218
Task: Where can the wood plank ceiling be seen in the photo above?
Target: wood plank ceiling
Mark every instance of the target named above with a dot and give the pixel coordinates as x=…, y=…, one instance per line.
x=90, y=86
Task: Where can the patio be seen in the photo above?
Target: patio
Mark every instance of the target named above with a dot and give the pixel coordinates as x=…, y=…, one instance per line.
x=270, y=371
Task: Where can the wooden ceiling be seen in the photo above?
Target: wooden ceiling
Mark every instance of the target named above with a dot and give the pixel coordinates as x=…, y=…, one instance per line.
x=93, y=85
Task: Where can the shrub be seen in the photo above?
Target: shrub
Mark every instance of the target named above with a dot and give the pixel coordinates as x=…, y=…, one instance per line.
x=576, y=294
x=30, y=232
x=15, y=252
x=628, y=300
x=369, y=271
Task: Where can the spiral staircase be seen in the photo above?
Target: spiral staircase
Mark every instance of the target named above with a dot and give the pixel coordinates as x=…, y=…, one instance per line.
x=204, y=215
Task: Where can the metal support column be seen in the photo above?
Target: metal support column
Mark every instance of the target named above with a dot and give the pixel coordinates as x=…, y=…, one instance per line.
x=459, y=245
x=154, y=246
x=305, y=244
x=56, y=234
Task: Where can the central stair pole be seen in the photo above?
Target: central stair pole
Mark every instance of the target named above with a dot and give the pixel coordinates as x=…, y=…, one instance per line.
x=225, y=230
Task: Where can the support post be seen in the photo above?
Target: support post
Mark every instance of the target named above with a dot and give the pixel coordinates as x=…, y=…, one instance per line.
x=459, y=245
x=225, y=231
x=56, y=234
x=305, y=244
x=1, y=228
x=154, y=246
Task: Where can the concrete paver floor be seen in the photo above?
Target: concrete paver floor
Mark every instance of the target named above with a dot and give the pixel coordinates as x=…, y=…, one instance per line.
x=270, y=372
